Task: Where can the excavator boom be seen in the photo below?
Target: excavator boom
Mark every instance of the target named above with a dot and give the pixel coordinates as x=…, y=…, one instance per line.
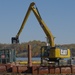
x=41, y=22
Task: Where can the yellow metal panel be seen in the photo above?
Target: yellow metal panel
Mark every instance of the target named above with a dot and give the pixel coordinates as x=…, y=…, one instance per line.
x=67, y=55
x=56, y=53
x=52, y=53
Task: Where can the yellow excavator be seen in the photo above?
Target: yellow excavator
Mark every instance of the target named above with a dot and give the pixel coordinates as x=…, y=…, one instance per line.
x=50, y=53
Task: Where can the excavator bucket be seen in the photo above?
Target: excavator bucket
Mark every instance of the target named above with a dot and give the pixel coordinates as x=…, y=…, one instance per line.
x=14, y=40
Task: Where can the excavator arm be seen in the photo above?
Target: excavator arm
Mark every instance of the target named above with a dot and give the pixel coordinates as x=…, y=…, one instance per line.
x=41, y=22
x=15, y=40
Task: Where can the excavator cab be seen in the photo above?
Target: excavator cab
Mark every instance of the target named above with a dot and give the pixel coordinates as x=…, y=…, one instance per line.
x=14, y=40
x=45, y=51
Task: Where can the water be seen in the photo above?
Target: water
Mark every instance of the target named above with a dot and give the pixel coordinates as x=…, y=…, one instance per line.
x=34, y=58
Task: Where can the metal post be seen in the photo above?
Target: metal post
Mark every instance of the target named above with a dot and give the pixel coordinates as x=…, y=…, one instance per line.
x=29, y=56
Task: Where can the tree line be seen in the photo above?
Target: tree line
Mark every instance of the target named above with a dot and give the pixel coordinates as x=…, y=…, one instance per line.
x=22, y=48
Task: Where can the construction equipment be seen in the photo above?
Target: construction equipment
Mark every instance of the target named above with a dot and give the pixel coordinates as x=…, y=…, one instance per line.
x=50, y=53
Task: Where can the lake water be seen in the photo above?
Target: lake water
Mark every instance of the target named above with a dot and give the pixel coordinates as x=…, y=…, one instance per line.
x=22, y=58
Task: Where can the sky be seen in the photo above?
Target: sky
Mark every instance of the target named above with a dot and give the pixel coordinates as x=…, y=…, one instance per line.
x=59, y=16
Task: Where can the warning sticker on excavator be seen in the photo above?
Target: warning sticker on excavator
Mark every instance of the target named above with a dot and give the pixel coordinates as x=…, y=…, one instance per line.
x=63, y=52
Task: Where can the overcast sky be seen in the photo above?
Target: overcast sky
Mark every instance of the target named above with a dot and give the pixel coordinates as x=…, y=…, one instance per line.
x=59, y=16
